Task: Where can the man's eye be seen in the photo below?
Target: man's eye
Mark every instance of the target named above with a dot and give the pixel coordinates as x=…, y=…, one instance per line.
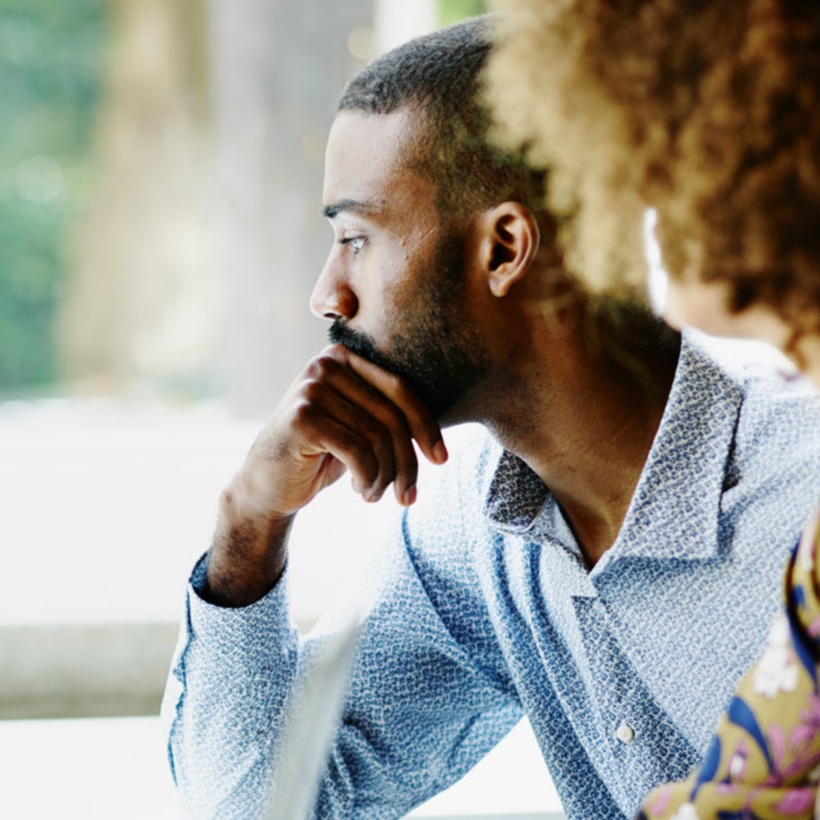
x=355, y=242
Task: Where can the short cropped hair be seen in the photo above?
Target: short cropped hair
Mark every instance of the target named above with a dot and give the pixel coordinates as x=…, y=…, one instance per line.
x=707, y=110
x=440, y=74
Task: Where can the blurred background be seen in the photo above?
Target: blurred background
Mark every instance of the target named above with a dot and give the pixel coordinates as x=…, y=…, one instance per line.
x=160, y=233
x=160, y=179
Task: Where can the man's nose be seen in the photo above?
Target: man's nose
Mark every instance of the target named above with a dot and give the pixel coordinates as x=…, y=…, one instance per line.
x=332, y=296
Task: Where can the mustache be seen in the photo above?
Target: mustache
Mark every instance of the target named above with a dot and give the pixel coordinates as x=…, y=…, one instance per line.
x=362, y=345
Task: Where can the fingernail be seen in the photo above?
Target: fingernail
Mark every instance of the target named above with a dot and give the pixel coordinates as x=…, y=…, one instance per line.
x=440, y=452
x=409, y=496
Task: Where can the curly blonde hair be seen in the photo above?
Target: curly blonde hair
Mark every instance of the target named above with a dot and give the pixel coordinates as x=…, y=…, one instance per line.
x=706, y=110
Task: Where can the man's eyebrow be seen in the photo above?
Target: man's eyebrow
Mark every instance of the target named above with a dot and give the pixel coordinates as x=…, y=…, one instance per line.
x=354, y=205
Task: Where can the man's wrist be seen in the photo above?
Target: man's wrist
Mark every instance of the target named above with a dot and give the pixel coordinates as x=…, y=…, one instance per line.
x=246, y=559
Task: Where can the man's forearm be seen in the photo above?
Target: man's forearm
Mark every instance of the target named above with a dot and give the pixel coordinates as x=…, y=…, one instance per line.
x=248, y=554
x=342, y=414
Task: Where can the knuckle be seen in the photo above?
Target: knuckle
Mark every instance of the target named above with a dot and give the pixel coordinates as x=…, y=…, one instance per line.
x=363, y=453
x=311, y=390
x=366, y=468
x=336, y=352
x=391, y=418
x=355, y=446
x=381, y=442
x=400, y=422
x=395, y=384
x=401, y=387
x=319, y=367
x=304, y=411
x=398, y=382
x=390, y=415
x=381, y=439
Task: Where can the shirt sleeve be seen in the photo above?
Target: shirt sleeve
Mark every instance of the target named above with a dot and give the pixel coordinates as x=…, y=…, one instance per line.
x=232, y=673
x=421, y=707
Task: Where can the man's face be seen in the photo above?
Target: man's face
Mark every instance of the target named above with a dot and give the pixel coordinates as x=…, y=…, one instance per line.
x=394, y=282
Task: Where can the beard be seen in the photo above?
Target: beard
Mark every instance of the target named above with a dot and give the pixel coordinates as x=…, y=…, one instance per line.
x=437, y=347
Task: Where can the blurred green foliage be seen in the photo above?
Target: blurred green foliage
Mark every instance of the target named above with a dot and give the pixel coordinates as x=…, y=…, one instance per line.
x=451, y=11
x=51, y=55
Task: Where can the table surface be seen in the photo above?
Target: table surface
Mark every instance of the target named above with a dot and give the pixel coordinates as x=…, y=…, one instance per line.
x=96, y=769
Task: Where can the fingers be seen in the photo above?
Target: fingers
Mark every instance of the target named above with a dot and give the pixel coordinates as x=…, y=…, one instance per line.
x=422, y=425
x=326, y=436
x=369, y=434
x=374, y=420
x=329, y=422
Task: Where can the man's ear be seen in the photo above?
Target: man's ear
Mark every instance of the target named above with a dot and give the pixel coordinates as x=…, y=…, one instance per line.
x=508, y=239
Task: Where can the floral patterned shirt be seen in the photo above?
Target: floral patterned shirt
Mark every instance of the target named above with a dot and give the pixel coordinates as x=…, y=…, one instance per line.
x=764, y=761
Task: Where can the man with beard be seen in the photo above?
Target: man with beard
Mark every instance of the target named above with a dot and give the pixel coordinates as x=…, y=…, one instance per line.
x=620, y=524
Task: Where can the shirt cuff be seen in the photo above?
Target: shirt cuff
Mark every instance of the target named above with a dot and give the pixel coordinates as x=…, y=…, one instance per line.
x=258, y=633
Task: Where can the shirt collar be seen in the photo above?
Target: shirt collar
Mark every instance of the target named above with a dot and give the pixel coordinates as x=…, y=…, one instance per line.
x=516, y=495
x=679, y=491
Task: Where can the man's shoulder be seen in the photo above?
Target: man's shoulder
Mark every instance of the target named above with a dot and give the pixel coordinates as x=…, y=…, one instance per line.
x=779, y=417
x=778, y=404
x=767, y=383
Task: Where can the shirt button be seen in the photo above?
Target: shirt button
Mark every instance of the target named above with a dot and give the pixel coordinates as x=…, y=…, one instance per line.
x=625, y=733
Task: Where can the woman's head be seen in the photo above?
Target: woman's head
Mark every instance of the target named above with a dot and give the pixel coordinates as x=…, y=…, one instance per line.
x=707, y=111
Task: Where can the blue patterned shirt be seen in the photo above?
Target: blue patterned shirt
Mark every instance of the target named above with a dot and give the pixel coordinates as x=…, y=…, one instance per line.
x=484, y=613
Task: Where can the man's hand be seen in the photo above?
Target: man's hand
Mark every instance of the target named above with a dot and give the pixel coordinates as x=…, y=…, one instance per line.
x=341, y=414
